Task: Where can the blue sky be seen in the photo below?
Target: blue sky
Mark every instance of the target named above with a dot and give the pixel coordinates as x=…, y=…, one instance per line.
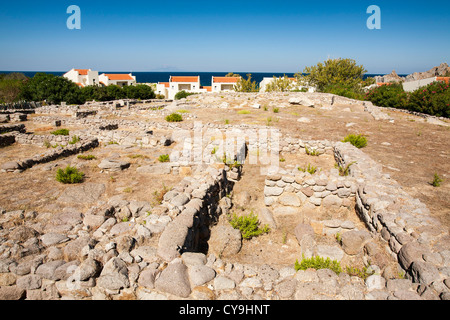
x=250, y=36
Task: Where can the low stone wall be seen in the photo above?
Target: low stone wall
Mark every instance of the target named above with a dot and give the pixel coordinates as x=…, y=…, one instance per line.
x=51, y=155
x=294, y=188
x=416, y=239
x=12, y=127
x=6, y=140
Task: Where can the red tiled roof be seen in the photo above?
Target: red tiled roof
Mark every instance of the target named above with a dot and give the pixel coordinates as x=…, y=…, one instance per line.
x=166, y=84
x=184, y=79
x=82, y=72
x=226, y=79
x=446, y=79
x=119, y=77
x=208, y=88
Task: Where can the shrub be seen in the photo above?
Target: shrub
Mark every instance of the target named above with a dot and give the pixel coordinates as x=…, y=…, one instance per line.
x=311, y=169
x=183, y=94
x=60, y=132
x=248, y=225
x=389, y=96
x=358, y=141
x=340, y=71
x=174, y=117
x=317, y=263
x=164, y=158
x=348, y=91
x=74, y=140
x=243, y=112
x=69, y=175
x=311, y=152
x=433, y=99
x=344, y=171
x=86, y=157
x=276, y=110
x=436, y=181
x=248, y=85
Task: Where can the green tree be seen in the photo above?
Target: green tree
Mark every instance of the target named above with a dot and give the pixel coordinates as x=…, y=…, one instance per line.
x=248, y=85
x=281, y=84
x=232, y=74
x=333, y=72
x=139, y=91
x=53, y=89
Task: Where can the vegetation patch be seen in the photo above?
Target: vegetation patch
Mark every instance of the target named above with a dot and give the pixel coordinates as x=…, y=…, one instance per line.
x=358, y=141
x=60, y=132
x=248, y=225
x=174, y=117
x=164, y=158
x=317, y=263
x=69, y=175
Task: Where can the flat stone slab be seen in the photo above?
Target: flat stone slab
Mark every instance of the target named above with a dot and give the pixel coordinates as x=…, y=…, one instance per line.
x=86, y=192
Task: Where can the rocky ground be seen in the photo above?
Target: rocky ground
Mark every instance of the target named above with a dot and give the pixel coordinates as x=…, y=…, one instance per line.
x=137, y=228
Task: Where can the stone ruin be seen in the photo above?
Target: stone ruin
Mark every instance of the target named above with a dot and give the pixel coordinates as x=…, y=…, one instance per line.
x=175, y=250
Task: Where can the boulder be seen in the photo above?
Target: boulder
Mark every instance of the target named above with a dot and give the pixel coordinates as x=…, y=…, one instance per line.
x=225, y=240
x=301, y=100
x=354, y=241
x=174, y=280
x=113, y=165
x=114, y=275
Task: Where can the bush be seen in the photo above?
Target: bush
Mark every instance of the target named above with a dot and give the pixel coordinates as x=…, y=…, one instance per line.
x=358, y=141
x=248, y=225
x=86, y=157
x=183, y=94
x=332, y=72
x=69, y=175
x=317, y=263
x=164, y=158
x=248, y=85
x=388, y=96
x=53, y=89
x=433, y=99
x=436, y=181
x=60, y=132
x=174, y=117
x=348, y=91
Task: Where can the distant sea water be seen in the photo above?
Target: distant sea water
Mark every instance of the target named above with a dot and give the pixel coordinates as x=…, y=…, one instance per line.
x=205, y=77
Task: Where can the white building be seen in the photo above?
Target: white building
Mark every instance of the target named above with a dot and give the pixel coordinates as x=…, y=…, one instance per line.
x=183, y=83
x=83, y=77
x=225, y=84
x=117, y=79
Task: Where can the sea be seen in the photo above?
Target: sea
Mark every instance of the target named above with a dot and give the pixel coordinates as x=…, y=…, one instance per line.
x=205, y=77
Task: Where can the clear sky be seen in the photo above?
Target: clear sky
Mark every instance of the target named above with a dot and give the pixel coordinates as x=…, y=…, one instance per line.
x=227, y=35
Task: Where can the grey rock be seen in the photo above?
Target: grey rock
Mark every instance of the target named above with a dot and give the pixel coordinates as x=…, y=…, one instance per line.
x=113, y=165
x=121, y=228
x=47, y=270
x=223, y=283
x=174, y=280
x=11, y=293
x=424, y=272
x=50, y=239
x=84, y=193
x=147, y=277
x=272, y=191
x=201, y=274
x=289, y=199
x=29, y=282
x=410, y=252
x=354, y=241
x=193, y=258
x=180, y=200
x=332, y=252
x=266, y=217
x=225, y=240
x=114, y=275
